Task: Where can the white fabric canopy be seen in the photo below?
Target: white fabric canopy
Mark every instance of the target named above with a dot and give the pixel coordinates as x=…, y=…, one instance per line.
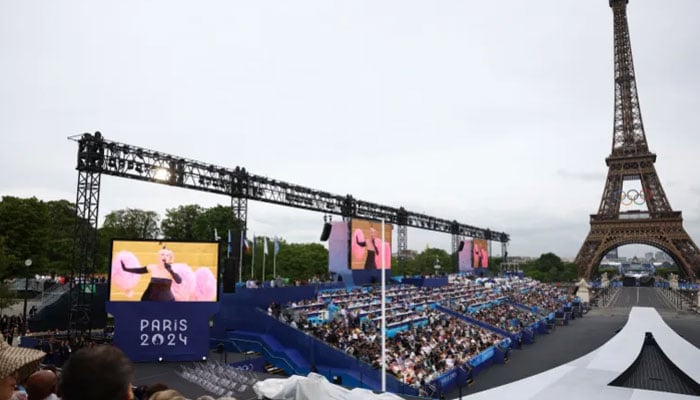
x=313, y=387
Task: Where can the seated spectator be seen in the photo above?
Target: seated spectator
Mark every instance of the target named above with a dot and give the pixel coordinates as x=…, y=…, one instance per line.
x=100, y=372
x=42, y=385
x=16, y=364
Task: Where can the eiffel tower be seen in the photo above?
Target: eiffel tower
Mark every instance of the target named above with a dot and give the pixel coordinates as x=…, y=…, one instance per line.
x=659, y=225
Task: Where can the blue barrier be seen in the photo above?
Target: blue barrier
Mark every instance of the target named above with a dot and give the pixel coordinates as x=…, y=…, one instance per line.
x=283, y=340
x=431, y=282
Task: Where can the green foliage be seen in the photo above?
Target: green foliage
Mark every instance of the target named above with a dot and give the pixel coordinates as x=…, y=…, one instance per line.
x=296, y=261
x=550, y=268
x=195, y=223
x=131, y=223
x=62, y=221
x=24, y=227
x=42, y=231
x=424, y=263
x=179, y=223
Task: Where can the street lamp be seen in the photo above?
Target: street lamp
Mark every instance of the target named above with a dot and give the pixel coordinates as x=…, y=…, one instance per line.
x=27, y=263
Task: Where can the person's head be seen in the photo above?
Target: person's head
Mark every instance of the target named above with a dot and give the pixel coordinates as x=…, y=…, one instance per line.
x=169, y=394
x=41, y=384
x=99, y=372
x=16, y=364
x=154, y=388
x=166, y=256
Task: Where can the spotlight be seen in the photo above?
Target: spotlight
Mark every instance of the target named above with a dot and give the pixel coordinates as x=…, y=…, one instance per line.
x=204, y=358
x=162, y=174
x=160, y=359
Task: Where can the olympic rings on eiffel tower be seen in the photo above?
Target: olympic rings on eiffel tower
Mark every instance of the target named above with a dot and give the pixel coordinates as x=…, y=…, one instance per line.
x=633, y=196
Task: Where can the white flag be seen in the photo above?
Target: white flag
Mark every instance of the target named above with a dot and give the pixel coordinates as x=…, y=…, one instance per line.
x=265, y=245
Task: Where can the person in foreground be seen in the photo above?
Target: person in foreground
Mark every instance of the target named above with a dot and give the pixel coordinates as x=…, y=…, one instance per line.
x=102, y=372
x=42, y=385
x=16, y=364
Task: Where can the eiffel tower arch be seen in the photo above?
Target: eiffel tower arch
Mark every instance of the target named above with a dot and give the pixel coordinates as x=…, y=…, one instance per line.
x=656, y=224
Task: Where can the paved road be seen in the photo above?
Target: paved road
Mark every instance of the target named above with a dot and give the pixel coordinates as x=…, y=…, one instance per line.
x=629, y=297
x=583, y=335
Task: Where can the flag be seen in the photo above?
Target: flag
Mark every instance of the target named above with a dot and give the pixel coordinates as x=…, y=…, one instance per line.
x=265, y=245
x=244, y=242
x=277, y=246
x=216, y=235
x=229, y=249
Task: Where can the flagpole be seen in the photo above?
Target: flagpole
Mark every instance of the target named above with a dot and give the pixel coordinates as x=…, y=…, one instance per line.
x=240, y=257
x=264, y=254
x=381, y=253
x=252, y=261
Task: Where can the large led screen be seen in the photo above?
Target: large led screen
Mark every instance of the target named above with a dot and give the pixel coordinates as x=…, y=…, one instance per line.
x=465, y=257
x=480, y=253
x=367, y=247
x=163, y=271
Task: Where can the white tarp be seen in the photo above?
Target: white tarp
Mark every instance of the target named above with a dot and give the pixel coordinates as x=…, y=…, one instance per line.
x=313, y=387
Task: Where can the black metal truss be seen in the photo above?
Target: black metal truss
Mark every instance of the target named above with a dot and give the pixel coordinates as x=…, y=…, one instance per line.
x=119, y=159
x=85, y=243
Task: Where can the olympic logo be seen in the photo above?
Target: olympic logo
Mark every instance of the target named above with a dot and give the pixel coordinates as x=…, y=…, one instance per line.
x=634, y=196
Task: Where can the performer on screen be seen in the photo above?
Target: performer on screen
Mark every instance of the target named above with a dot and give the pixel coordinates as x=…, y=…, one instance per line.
x=162, y=277
x=372, y=246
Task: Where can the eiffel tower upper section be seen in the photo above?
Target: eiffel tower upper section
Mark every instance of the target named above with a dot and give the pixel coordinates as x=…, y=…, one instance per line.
x=630, y=157
x=629, y=138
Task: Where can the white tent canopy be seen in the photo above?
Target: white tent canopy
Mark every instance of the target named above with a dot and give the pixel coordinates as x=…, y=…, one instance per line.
x=313, y=387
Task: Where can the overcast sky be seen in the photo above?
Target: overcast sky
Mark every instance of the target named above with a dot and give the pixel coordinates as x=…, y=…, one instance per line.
x=494, y=113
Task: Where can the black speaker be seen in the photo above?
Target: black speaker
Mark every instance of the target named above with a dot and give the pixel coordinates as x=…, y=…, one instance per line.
x=326, y=233
x=461, y=245
x=229, y=275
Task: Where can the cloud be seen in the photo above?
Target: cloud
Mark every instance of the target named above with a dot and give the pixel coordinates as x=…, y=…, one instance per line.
x=581, y=176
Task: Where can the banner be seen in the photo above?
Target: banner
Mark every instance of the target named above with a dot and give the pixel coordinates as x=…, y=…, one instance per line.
x=162, y=331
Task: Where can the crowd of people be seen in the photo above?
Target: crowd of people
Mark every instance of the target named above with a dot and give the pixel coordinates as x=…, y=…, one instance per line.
x=424, y=342
x=421, y=352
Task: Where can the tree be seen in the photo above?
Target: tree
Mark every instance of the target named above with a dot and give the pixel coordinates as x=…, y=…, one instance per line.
x=424, y=263
x=132, y=223
x=179, y=223
x=550, y=268
x=195, y=223
x=24, y=227
x=62, y=221
x=296, y=261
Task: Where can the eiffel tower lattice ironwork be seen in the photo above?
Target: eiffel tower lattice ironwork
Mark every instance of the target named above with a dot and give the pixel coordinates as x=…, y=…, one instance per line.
x=659, y=226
